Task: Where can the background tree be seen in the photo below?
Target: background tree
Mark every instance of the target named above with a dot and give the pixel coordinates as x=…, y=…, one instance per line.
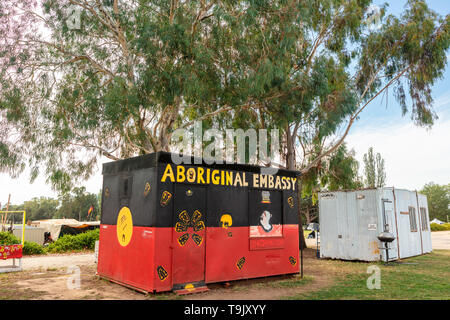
x=38, y=208
x=339, y=172
x=438, y=197
x=133, y=71
x=374, y=172
x=76, y=205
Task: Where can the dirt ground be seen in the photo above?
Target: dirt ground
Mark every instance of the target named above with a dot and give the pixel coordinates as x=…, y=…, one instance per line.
x=47, y=278
x=50, y=281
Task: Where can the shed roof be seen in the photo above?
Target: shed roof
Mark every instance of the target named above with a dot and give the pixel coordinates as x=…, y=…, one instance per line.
x=152, y=159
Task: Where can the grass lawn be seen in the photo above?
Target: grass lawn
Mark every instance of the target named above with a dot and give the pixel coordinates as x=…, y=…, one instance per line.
x=423, y=277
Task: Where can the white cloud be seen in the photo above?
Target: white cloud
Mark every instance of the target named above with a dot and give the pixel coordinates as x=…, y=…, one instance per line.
x=413, y=155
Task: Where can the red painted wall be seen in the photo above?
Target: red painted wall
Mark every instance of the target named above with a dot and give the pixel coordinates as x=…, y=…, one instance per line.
x=132, y=264
x=137, y=263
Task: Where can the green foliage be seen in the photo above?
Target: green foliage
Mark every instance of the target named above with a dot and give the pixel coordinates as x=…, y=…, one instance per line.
x=375, y=175
x=7, y=238
x=38, y=208
x=338, y=172
x=438, y=197
x=73, y=205
x=76, y=205
x=81, y=241
x=419, y=278
x=440, y=227
x=30, y=248
x=122, y=81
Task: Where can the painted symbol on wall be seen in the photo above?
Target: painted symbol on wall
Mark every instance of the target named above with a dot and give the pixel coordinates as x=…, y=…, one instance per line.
x=147, y=189
x=183, y=239
x=197, y=239
x=264, y=221
x=292, y=260
x=240, y=263
x=290, y=201
x=107, y=192
x=226, y=221
x=265, y=197
x=162, y=273
x=165, y=198
x=124, y=226
x=185, y=222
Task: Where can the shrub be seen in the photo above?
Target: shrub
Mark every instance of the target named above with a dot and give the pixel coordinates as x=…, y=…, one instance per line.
x=81, y=241
x=7, y=238
x=32, y=248
x=440, y=227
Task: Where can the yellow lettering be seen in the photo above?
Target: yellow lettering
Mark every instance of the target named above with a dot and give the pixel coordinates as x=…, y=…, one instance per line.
x=222, y=178
x=214, y=177
x=278, y=183
x=245, y=182
x=288, y=183
x=180, y=174
x=190, y=173
x=207, y=175
x=238, y=178
x=255, y=180
x=168, y=172
x=200, y=175
x=263, y=181
x=293, y=183
x=271, y=181
x=283, y=181
x=229, y=178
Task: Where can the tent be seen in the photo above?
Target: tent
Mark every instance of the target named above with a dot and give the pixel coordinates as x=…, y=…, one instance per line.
x=60, y=227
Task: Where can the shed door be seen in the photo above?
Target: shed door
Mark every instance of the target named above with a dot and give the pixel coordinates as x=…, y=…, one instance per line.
x=389, y=226
x=188, y=240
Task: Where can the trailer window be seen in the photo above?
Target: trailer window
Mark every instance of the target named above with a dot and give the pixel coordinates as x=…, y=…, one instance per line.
x=424, y=219
x=412, y=219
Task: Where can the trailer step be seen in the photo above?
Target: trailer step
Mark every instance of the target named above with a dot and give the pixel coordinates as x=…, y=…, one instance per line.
x=190, y=288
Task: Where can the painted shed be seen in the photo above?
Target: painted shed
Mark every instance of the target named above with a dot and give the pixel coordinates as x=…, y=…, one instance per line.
x=350, y=222
x=167, y=226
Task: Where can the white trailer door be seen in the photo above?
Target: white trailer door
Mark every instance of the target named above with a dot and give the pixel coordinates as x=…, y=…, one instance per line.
x=388, y=221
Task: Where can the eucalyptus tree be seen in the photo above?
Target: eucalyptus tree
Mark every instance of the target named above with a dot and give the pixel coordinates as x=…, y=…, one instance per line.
x=80, y=79
x=374, y=171
x=321, y=63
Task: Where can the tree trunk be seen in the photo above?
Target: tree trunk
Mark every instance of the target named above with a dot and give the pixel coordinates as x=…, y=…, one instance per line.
x=291, y=165
x=290, y=146
x=301, y=236
x=308, y=216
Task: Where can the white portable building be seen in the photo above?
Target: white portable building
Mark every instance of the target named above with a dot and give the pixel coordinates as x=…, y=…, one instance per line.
x=350, y=222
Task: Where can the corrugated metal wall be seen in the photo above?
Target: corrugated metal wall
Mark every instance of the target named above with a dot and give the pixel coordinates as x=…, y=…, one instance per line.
x=31, y=234
x=426, y=232
x=348, y=225
x=350, y=222
x=409, y=240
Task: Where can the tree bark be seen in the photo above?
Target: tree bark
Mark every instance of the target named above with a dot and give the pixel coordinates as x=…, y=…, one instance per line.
x=291, y=165
x=301, y=236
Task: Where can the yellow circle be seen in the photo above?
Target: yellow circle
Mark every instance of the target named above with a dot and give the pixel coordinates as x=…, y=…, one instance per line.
x=124, y=226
